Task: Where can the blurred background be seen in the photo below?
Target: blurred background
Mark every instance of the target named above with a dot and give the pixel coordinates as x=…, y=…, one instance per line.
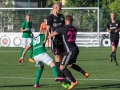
x=84, y=19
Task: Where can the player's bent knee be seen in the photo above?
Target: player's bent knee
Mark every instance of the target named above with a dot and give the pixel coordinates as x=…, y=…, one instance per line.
x=52, y=64
x=57, y=58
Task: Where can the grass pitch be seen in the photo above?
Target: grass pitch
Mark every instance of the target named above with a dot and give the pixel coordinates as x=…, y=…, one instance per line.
x=103, y=73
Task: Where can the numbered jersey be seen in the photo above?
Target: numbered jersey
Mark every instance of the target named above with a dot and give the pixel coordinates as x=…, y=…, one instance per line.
x=69, y=36
x=37, y=45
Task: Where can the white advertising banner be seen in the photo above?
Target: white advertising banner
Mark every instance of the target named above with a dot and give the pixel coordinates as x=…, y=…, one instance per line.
x=83, y=39
x=11, y=39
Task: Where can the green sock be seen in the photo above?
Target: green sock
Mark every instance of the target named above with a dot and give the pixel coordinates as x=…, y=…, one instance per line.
x=21, y=52
x=54, y=71
x=31, y=52
x=38, y=75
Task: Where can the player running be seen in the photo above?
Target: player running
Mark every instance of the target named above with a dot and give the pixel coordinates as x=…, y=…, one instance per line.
x=40, y=56
x=113, y=28
x=69, y=36
x=26, y=36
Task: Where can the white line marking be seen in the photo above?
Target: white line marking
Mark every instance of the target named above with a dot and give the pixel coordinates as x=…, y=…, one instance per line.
x=51, y=51
x=53, y=78
x=14, y=51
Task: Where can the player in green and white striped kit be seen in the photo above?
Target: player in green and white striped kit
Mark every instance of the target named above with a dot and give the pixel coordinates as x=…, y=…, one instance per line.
x=26, y=36
x=40, y=56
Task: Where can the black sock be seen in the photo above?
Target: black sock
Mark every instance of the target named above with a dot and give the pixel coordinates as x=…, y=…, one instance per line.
x=78, y=68
x=114, y=56
x=60, y=74
x=68, y=74
x=111, y=55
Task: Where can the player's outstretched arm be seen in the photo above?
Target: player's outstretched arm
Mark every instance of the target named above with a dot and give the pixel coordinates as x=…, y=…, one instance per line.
x=21, y=60
x=52, y=34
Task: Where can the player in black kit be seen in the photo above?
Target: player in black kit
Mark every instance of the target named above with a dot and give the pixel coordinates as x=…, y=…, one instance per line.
x=54, y=21
x=69, y=36
x=113, y=28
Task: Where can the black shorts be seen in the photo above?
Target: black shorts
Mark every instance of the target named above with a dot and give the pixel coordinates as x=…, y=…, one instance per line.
x=114, y=42
x=70, y=57
x=57, y=47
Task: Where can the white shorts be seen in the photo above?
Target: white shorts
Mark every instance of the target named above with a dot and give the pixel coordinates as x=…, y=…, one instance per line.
x=26, y=41
x=43, y=58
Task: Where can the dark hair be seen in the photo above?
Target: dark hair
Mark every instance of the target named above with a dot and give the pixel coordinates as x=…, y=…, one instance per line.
x=27, y=14
x=69, y=17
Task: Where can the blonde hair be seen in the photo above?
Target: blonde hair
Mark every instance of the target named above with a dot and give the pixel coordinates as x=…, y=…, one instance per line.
x=57, y=3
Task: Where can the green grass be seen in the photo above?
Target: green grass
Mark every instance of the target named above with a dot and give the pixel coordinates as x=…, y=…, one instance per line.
x=103, y=73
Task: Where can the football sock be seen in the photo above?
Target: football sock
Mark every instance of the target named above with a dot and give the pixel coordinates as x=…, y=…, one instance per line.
x=38, y=75
x=54, y=71
x=68, y=74
x=58, y=69
x=31, y=52
x=114, y=56
x=78, y=68
x=111, y=54
x=21, y=52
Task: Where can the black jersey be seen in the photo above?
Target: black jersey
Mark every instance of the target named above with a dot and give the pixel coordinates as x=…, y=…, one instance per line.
x=69, y=36
x=113, y=26
x=55, y=22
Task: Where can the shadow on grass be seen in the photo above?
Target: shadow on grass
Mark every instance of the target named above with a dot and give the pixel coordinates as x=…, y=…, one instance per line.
x=42, y=85
x=19, y=86
x=105, y=87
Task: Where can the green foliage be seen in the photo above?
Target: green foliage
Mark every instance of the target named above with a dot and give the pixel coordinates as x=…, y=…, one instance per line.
x=50, y=2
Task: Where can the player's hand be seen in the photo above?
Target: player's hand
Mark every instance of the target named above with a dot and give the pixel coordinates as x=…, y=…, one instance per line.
x=109, y=31
x=21, y=60
x=116, y=31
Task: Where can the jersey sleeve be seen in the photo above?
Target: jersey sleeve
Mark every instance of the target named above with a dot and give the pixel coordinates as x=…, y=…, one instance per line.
x=49, y=21
x=60, y=30
x=23, y=25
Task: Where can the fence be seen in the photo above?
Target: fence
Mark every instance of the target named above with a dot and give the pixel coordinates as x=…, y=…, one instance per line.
x=83, y=39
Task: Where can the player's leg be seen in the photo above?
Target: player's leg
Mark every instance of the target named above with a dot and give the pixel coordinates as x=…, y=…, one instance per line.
x=114, y=49
x=49, y=61
x=64, y=69
x=56, y=51
x=39, y=70
x=24, y=43
x=113, y=54
x=30, y=51
x=70, y=76
x=73, y=65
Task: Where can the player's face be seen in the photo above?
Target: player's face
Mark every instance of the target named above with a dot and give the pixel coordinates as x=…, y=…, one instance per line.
x=28, y=18
x=112, y=16
x=58, y=9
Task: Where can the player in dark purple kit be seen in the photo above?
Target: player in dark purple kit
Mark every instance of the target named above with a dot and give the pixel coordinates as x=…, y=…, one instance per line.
x=54, y=21
x=113, y=28
x=69, y=36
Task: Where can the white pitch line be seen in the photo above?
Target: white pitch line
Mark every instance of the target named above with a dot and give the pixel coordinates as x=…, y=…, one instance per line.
x=49, y=51
x=14, y=51
x=53, y=78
